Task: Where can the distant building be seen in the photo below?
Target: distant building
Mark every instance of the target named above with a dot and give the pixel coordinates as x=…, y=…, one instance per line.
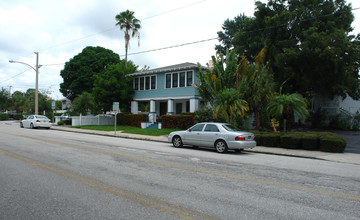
x=65, y=104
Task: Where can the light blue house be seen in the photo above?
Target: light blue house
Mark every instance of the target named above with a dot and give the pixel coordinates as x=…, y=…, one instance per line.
x=170, y=90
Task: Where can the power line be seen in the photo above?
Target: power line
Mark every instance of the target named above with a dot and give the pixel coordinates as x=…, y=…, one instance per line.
x=15, y=76
x=174, y=46
x=113, y=28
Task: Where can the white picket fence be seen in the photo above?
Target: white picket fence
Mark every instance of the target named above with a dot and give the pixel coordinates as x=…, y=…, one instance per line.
x=93, y=120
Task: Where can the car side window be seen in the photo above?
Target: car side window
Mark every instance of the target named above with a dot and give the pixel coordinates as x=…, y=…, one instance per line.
x=30, y=117
x=198, y=127
x=211, y=128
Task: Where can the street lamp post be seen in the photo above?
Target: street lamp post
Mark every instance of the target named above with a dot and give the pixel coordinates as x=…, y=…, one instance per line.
x=37, y=78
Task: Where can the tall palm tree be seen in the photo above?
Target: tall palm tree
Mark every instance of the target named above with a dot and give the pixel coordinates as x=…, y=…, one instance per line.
x=130, y=25
x=285, y=105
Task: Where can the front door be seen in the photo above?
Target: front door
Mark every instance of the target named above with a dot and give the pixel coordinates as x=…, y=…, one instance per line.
x=178, y=108
x=163, y=108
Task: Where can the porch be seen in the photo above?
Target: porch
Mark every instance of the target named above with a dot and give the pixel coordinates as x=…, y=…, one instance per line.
x=169, y=106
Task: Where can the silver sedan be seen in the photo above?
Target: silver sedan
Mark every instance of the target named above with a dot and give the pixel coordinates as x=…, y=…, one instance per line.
x=36, y=121
x=220, y=136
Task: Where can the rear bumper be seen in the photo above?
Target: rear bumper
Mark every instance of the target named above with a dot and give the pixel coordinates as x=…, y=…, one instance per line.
x=241, y=144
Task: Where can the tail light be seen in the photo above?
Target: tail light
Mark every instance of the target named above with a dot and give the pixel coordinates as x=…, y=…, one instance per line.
x=37, y=120
x=240, y=138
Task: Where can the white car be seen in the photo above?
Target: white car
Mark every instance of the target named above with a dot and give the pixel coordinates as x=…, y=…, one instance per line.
x=220, y=136
x=36, y=121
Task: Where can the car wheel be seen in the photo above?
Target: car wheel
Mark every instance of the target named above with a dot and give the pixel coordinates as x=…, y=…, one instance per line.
x=32, y=126
x=21, y=125
x=177, y=142
x=221, y=146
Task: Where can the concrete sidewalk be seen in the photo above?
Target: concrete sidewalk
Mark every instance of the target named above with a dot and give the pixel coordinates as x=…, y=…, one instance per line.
x=351, y=158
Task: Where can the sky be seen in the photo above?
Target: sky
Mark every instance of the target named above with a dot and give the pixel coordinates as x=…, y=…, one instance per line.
x=59, y=30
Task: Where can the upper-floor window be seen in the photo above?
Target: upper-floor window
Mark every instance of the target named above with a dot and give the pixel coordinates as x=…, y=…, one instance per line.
x=181, y=79
x=145, y=83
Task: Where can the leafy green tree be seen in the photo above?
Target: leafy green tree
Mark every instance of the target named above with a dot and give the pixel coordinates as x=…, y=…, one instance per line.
x=130, y=25
x=44, y=102
x=111, y=86
x=4, y=100
x=84, y=103
x=221, y=87
x=307, y=40
x=284, y=105
x=78, y=73
x=20, y=102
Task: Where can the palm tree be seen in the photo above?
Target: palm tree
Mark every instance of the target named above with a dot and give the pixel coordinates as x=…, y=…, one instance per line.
x=220, y=87
x=228, y=104
x=285, y=105
x=130, y=25
x=258, y=83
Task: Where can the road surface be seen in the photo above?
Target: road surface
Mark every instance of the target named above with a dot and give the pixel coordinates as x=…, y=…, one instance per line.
x=50, y=174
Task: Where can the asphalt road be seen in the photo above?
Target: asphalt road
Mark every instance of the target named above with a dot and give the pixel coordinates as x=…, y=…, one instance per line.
x=49, y=174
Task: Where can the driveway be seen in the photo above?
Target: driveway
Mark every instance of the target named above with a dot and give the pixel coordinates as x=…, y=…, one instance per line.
x=353, y=140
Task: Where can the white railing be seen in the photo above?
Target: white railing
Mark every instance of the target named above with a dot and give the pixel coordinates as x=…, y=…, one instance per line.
x=93, y=120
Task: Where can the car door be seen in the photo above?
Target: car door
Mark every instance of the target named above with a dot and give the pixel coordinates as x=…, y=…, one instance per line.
x=192, y=136
x=27, y=121
x=210, y=135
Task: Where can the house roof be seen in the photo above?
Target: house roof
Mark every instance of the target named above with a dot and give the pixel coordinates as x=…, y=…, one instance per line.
x=177, y=67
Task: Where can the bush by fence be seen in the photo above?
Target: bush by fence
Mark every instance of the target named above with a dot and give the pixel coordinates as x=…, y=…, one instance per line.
x=131, y=119
x=177, y=121
x=4, y=116
x=323, y=141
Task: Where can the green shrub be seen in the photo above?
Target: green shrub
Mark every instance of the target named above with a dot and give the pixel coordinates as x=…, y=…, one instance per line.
x=310, y=141
x=258, y=138
x=332, y=143
x=292, y=140
x=177, y=121
x=4, y=116
x=18, y=116
x=133, y=120
x=271, y=140
x=61, y=123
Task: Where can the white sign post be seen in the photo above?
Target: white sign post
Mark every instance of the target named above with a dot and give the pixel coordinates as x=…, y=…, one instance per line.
x=53, y=104
x=116, y=110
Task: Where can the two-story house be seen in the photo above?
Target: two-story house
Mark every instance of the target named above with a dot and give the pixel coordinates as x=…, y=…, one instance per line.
x=170, y=90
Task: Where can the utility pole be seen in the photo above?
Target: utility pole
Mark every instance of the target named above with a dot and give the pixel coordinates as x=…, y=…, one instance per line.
x=37, y=84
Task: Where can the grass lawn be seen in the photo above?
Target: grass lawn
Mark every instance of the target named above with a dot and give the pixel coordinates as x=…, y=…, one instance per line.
x=128, y=129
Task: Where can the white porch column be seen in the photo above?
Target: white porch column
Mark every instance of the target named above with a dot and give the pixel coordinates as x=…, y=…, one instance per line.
x=152, y=113
x=194, y=104
x=170, y=107
x=134, y=107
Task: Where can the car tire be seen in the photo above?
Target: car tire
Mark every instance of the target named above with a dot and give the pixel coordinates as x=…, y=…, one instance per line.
x=177, y=142
x=32, y=126
x=21, y=125
x=221, y=146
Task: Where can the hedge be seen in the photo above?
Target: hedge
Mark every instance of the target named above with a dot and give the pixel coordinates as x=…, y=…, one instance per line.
x=133, y=120
x=310, y=141
x=271, y=139
x=177, y=121
x=332, y=143
x=323, y=141
x=4, y=116
x=292, y=140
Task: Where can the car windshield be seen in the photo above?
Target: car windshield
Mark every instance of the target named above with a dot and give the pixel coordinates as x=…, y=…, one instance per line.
x=229, y=127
